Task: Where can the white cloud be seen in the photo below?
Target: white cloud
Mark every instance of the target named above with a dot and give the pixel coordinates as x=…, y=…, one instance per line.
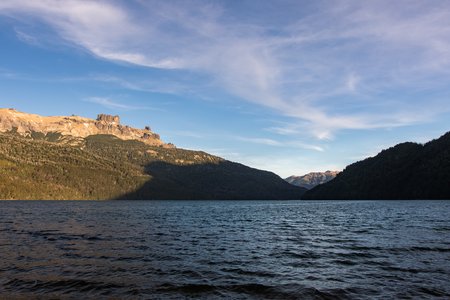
x=154, y=86
x=108, y=103
x=32, y=40
x=352, y=82
x=262, y=141
x=271, y=142
x=325, y=69
x=306, y=146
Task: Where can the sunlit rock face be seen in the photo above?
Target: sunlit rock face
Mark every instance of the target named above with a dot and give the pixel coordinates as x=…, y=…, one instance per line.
x=312, y=179
x=108, y=119
x=74, y=126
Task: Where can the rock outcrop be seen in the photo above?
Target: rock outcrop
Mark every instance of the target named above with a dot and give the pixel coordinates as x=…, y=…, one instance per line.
x=74, y=126
x=108, y=119
x=312, y=179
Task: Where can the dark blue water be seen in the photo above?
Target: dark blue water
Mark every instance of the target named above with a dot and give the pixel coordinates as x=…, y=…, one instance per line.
x=225, y=249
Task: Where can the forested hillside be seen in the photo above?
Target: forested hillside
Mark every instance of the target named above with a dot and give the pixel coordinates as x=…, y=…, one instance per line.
x=106, y=167
x=406, y=171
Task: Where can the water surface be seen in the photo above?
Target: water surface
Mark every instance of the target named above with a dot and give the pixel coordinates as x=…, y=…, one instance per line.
x=225, y=249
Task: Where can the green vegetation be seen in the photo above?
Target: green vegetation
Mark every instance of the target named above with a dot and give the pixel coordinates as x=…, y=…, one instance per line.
x=141, y=154
x=34, y=169
x=406, y=171
x=50, y=137
x=105, y=167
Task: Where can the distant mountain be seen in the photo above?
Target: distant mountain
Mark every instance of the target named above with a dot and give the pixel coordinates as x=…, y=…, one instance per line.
x=405, y=171
x=56, y=158
x=312, y=179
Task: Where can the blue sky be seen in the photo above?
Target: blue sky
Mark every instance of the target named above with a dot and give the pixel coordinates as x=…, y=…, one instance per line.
x=286, y=86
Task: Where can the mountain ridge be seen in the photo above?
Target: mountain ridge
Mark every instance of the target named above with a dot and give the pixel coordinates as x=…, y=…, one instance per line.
x=405, y=171
x=312, y=179
x=75, y=127
x=48, y=165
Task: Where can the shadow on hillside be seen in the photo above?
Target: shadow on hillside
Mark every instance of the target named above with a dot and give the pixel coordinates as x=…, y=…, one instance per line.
x=212, y=181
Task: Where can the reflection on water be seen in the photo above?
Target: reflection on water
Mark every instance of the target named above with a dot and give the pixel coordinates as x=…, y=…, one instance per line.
x=220, y=249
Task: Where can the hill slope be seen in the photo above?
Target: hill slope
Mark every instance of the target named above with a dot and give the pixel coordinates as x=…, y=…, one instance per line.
x=312, y=179
x=406, y=171
x=106, y=167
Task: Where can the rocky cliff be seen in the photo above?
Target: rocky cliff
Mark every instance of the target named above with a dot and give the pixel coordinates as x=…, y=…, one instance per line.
x=312, y=179
x=74, y=127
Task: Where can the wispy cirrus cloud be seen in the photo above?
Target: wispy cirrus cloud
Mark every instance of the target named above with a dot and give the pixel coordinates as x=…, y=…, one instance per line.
x=342, y=66
x=27, y=38
x=164, y=86
x=114, y=105
x=262, y=141
x=272, y=142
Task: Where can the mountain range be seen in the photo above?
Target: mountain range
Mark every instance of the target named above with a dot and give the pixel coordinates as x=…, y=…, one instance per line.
x=81, y=158
x=405, y=171
x=312, y=179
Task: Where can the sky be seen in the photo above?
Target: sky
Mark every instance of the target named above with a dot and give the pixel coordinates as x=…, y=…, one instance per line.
x=286, y=86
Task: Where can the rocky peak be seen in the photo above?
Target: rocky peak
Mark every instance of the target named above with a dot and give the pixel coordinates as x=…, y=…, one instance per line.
x=108, y=119
x=312, y=179
x=75, y=126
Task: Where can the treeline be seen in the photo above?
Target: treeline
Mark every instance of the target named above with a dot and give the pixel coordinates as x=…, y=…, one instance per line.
x=406, y=171
x=106, y=167
x=31, y=169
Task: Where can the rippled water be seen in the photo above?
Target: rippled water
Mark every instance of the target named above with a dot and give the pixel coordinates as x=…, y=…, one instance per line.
x=225, y=249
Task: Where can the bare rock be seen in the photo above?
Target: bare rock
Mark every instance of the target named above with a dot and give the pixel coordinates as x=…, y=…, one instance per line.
x=108, y=119
x=312, y=179
x=75, y=126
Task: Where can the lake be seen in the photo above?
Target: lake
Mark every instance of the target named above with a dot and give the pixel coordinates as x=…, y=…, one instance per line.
x=225, y=249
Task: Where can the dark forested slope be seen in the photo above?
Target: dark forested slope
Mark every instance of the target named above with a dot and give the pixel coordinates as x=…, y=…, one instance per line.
x=405, y=171
x=106, y=167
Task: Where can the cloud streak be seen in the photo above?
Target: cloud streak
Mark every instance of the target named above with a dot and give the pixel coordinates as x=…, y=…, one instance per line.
x=327, y=71
x=275, y=143
x=110, y=104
